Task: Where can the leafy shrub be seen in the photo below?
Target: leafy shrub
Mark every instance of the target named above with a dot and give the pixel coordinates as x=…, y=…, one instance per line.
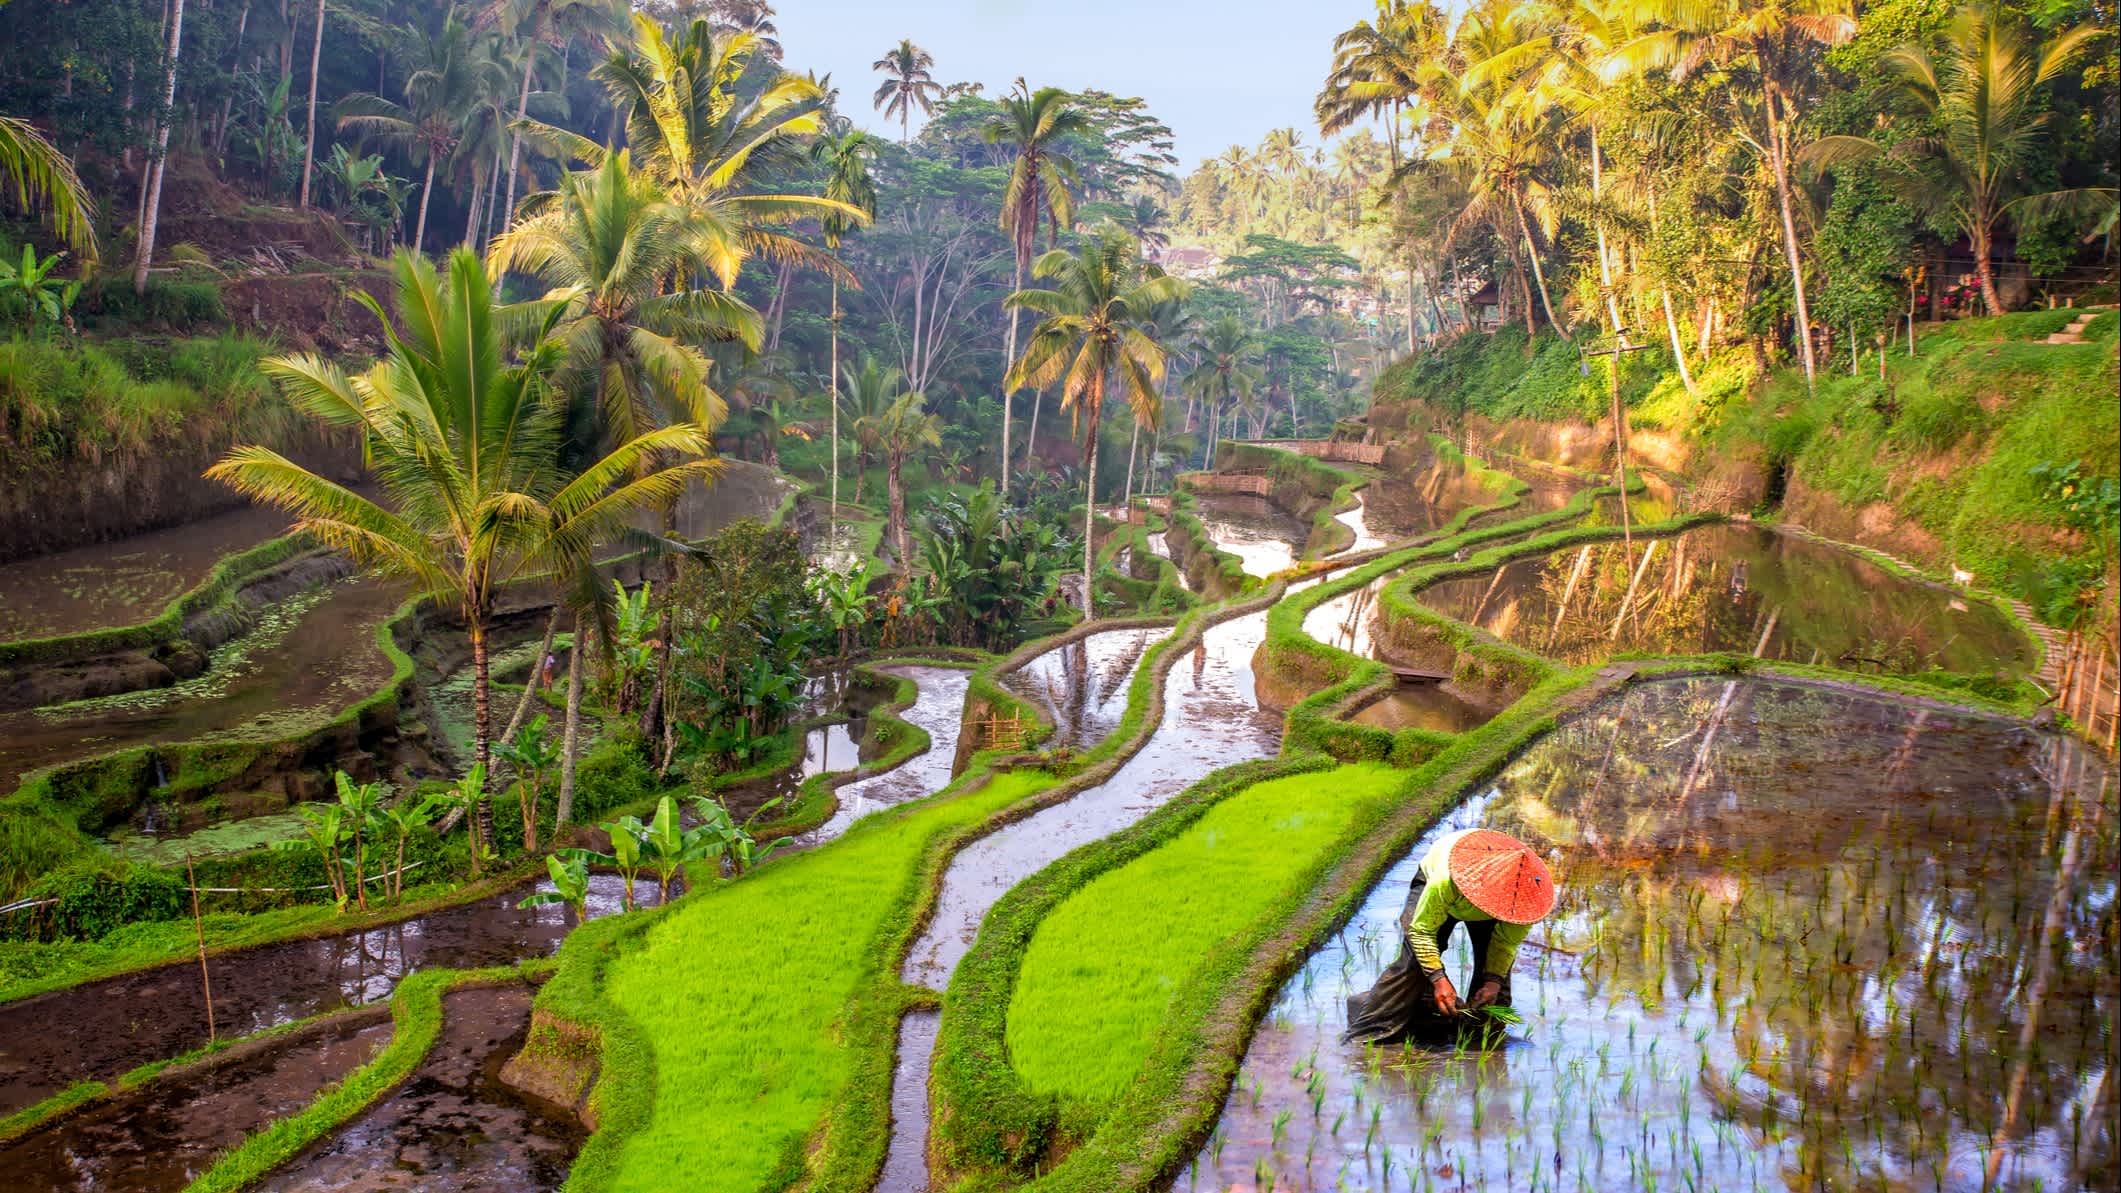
x=90, y=902
x=180, y=305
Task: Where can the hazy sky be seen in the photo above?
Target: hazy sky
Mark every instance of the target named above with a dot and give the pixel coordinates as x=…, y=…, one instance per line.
x=1219, y=72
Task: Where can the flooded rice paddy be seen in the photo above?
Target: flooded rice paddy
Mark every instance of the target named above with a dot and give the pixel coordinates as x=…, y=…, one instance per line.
x=1082, y=686
x=1357, y=521
x=126, y=581
x=158, y=1138
x=1349, y=621
x=1733, y=587
x=454, y=1124
x=308, y=658
x=1264, y=536
x=938, y=707
x=1808, y=938
x=99, y=1030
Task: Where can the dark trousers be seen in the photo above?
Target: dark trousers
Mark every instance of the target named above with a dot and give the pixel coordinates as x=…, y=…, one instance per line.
x=1402, y=1004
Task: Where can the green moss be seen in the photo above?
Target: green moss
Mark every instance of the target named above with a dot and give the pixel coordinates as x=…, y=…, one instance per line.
x=1101, y=967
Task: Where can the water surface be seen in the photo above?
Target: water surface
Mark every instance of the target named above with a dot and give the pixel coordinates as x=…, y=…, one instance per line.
x=1264, y=536
x=1082, y=686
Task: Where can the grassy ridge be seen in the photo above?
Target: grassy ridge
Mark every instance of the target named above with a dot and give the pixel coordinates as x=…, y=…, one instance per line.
x=1101, y=967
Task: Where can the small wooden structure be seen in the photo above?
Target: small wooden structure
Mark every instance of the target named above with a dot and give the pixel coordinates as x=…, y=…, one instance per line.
x=1003, y=733
x=1412, y=678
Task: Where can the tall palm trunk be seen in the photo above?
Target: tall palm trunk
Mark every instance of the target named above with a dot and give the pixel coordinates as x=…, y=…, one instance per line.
x=152, y=205
x=481, y=716
x=894, y=463
x=515, y=140
x=1980, y=231
x=832, y=527
x=537, y=671
x=309, y=136
x=1038, y=406
x=1096, y=405
x=1778, y=163
x=1134, y=440
x=1009, y=359
x=427, y=187
x=1531, y=248
x=571, y=740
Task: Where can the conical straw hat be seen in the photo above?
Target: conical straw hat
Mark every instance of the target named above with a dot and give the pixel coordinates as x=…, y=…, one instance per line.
x=1501, y=875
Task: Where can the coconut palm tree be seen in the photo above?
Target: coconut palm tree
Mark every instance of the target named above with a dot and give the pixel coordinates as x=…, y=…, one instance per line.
x=1381, y=67
x=609, y=241
x=1031, y=124
x=1981, y=86
x=466, y=441
x=42, y=177
x=1767, y=51
x=908, y=84
x=1097, y=322
x=870, y=390
x=844, y=158
x=548, y=24
x=440, y=98
x=902, y=428
x=1227, y=374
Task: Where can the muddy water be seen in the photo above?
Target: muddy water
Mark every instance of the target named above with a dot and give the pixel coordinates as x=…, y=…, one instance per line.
x=1082, y=687
x=127, y=581
x=454, y=1124
x=1424, y=499
x=1257, y=531
x=826, y=748
x=308, y=658
x=161, y=1136
x=905, y=1167
x=939, y=708
x=102, y=1029
x=1733, y=587
x=1808, y=939
x=1422, y=706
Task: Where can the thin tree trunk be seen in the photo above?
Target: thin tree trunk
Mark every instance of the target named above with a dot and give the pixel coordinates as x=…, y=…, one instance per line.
x=1671, y=324
x=471, y=213
x=481, y=719
x=287, y=43
x=515, y=139
x=537, y=671
x=235, y=67
x=1008, y=362
x=1531, y=248
x=1038, y=404
x=1090, y=511
x=309, y=137
x=894, y=464
x=159, y=163
x=1778, y=163
x=571, y=737
x=833, y=526
x=1984, y=268
x=427, y=186
x=1134, y=440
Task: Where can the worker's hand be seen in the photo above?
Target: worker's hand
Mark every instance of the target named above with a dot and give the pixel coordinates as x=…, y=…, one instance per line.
x=1485, y=993
x=1446, y=995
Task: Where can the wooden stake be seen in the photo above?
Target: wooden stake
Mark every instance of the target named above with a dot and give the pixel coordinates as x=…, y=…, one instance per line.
x=198, y=924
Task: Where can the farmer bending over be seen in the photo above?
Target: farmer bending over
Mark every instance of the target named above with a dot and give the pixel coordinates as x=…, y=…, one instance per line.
x=1490, y=882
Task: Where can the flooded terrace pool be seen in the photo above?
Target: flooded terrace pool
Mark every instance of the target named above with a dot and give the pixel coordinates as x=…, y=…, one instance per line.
x=1260, y=533
x=1733, y=587
x=1808, y=939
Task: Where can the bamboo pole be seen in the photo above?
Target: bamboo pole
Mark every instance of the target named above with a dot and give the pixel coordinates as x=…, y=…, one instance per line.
x=1767, y=633
x=1629, y=598
x=1583, y=560
x=198, y=923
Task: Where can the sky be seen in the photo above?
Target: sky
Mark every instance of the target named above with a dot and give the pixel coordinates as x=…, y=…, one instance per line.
x=1219, y=72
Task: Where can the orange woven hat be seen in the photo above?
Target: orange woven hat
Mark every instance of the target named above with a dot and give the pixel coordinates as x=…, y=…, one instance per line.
x=1501, y=875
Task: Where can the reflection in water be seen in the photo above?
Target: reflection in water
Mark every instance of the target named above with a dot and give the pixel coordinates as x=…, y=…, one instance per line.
x=1082, y=686
x=1422, y=706
x=1357, y=521
x=1808, y=939
x=1260, y=533
x=938, y=707
x=1160, y=544
x=1424, y=499
x=1732, y=587
x=99, y=1030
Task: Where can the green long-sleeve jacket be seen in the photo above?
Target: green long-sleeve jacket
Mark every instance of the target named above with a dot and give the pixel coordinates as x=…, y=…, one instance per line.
x=1441, y=902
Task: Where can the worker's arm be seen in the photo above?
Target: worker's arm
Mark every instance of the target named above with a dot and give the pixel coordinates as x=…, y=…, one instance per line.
x=1502, y=947
x=1429, y=916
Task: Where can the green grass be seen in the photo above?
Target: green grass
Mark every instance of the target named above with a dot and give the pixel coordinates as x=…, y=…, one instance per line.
x=751, y=983
x=64, y=402
x=1102, y=968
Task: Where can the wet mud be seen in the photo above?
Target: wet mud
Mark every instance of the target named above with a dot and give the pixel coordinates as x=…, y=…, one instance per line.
x=308, y=658
x=454, y=1124
x=100, y=1030
x=1733, y=587
x=160, y=1137
x=1082, y=686
x=1808, y=938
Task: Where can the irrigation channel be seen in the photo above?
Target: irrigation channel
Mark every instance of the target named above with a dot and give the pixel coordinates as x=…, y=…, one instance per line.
x=1212, y=718
x=1792, y=919
x=1082, y=685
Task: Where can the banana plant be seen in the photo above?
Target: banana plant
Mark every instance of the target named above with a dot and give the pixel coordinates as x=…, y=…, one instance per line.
x=462, y=800
x=569, y=870
x=671, y=845
x=627, y=835
x=322, y=827
x=405, y=818
x=633, y=644
x=532, y=754
x=32, y=286
x=733, y=840
x=358, y=803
